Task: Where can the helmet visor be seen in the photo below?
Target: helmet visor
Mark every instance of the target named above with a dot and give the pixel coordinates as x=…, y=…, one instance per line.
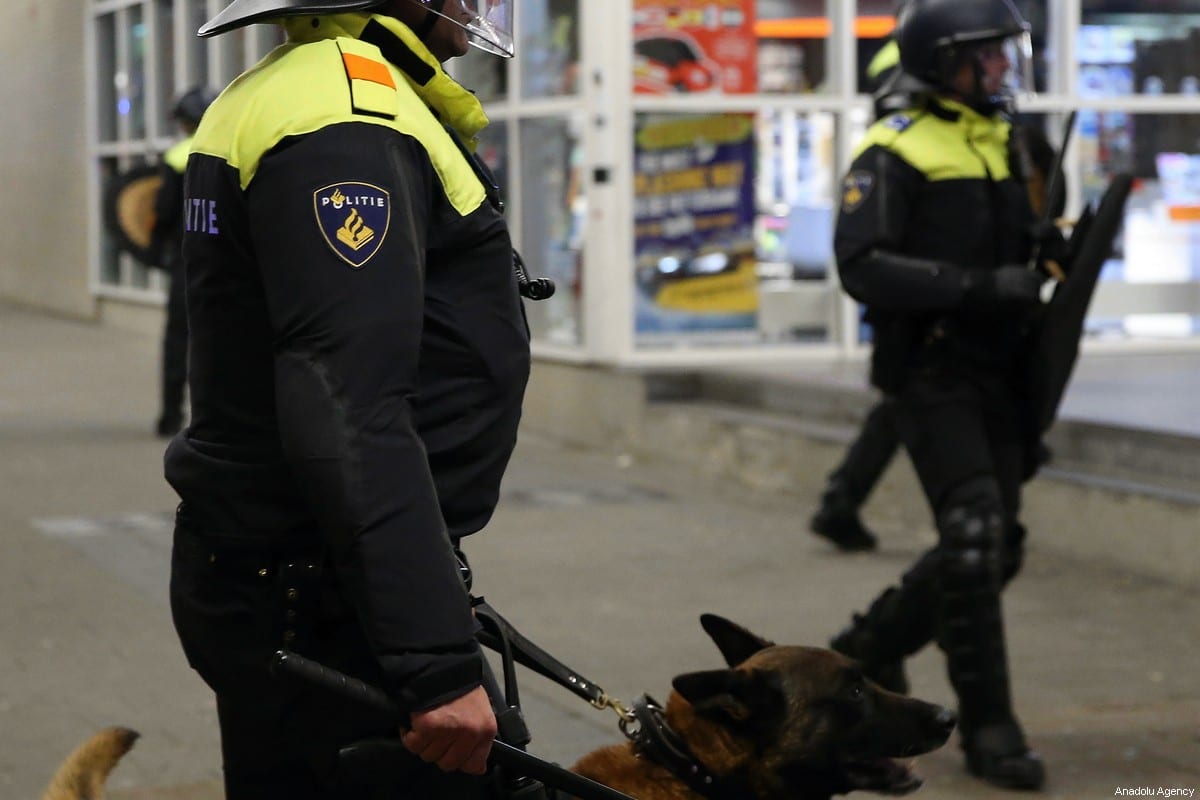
x=1003, y=67
x=490, y=26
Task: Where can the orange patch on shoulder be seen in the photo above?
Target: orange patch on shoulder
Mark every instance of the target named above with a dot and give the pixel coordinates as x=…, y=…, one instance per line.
x=359, y=68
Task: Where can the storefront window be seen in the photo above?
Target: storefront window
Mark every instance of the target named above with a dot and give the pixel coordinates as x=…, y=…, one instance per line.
x=792, y=40
x=198, y=72
x=163, y=86
x=483, y=73
x=1139, y=48
x=127, y=77
x=549, y=47
x=1151, y=288
x=553, y=212
x=733, y=223
x=703, y=47
x=106, y=77
x=133, y=94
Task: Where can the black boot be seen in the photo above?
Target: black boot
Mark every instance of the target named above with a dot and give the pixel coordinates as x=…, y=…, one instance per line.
x=837, y=521
x=972, y=636
x=860, y=643
x=999, y=755
x=898, y=624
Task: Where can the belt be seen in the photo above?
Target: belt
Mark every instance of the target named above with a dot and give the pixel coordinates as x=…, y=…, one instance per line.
x=245, y=556
x=293, y=575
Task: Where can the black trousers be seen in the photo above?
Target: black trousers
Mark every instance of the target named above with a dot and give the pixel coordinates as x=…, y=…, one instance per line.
x=278, y=739
x=869, y=454
x=967, y=444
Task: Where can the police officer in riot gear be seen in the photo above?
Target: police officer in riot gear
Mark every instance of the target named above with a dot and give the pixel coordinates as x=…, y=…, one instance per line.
x=933, y=237
x=166, y=239
x=358, y=360
x=837, y=518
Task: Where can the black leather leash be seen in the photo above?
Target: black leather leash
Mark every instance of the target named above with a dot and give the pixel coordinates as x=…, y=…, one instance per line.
x=645, y=724
x=499, y=635
x=504, y=755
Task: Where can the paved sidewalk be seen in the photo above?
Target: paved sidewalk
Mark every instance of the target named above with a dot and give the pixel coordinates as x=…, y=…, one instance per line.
x=603, y=561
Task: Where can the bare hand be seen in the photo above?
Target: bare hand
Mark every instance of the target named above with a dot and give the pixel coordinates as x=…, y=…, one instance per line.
x=456, y=736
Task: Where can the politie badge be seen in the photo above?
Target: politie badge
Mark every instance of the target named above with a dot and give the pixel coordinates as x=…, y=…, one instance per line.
x=855, y=189
x=353, y=218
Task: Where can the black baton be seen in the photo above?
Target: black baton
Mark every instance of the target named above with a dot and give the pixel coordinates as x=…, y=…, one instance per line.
x=502, y=755
x=1053, y=187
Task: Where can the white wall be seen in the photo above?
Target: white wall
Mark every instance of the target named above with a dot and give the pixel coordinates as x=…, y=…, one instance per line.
x=43, y=157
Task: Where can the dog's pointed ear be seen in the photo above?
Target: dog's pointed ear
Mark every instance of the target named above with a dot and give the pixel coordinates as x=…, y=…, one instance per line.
x=735, y=642
x=730, y=695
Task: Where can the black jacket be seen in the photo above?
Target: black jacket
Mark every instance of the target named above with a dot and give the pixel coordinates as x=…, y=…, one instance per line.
x=933, y=195
x=358, y=350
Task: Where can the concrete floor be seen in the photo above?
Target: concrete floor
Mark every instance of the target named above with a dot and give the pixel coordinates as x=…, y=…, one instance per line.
x=604, y=561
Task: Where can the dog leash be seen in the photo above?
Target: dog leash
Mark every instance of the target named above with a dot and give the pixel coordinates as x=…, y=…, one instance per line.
x=295, y=666
x=499, y=635
x=644, y=725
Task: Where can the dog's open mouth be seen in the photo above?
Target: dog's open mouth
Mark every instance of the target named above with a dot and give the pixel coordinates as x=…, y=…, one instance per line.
x=883, y=775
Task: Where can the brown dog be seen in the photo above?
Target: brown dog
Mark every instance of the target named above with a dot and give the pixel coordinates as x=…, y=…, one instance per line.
x=783, y=723
x=794, y=723
x=82, y=775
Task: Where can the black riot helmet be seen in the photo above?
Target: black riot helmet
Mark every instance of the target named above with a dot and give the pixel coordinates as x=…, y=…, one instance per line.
x=489, y=28
x=192, y=104
x=937, y=37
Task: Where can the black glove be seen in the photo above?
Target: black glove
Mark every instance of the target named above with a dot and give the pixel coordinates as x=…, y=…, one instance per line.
x=1009, y=287
x=1051, y=244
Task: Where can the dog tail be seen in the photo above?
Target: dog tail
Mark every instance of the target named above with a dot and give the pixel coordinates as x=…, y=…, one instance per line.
x=82, y=775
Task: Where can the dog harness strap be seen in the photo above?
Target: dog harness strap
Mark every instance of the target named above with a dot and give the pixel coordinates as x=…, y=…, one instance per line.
x=655, y=741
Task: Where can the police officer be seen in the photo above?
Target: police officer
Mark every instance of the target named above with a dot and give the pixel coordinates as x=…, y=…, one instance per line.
x=933, y=237
x=165, y=241
x=851, y=482
x=838, y=518
x=358, y=359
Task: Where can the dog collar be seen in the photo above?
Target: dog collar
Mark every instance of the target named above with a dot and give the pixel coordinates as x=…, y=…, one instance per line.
x=655, y=741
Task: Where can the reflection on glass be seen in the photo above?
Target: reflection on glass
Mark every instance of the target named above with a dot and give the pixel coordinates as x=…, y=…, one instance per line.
x=694, y=47
x=106, y=77
x=1124, y=53
x=483, y=73
x=1150, y=287
x=164, y=42
x=133, y=102
x=233, y=55
x=549, y=47
x=733, y=226
x=792, y=37
x=197, y=47
x=553, y=214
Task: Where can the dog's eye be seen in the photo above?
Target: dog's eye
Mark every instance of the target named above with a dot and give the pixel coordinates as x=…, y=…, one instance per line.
x=856, y=693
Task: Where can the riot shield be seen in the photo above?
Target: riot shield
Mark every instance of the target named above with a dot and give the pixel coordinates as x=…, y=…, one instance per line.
x=129, y=210
x=1056, y=344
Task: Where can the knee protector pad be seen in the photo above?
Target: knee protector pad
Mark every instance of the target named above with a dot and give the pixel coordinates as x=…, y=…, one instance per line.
x=971, y=529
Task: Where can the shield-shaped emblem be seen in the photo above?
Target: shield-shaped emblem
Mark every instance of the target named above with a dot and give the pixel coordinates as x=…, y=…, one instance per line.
x=129, y=210
x=855, y=189
x=353, y=218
